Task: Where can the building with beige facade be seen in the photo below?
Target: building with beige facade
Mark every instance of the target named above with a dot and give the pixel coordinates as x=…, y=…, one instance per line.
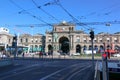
x=64, y=38
x=27, y=42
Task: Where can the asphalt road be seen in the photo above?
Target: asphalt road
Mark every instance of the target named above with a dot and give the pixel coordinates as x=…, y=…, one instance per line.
x=39, y=69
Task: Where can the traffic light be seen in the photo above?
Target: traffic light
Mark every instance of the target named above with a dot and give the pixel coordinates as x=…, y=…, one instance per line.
x=14, y=38
x=104, y=56
x=92, y=34
x=14, y=42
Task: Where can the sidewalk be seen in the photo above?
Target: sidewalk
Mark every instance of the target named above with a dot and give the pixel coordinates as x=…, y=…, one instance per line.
x=67, y=57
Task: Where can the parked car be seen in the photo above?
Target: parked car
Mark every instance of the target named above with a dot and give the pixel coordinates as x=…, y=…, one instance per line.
x=116, y=55
x=75, y=54
x=3, y=56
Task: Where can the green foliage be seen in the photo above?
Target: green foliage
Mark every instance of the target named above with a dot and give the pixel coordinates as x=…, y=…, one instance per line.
x=96, y=55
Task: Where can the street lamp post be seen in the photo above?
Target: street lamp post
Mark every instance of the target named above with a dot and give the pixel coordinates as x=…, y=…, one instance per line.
x=32, y=37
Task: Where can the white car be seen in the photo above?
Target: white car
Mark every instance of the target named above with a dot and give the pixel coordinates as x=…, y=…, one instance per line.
x=75, y=54
x=3, y=56
x=116, y=55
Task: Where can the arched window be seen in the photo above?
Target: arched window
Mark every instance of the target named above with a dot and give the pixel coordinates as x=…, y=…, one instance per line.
x=78, y=49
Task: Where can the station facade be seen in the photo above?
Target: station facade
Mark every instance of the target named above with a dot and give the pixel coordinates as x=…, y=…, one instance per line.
x=64, y=38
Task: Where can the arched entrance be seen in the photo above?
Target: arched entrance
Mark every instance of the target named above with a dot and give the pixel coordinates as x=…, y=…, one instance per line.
x=84, y=47
x=78, y=49
x=49, y=47
x=101, y=50
x=108, y=47
x=50, y=50
x=90, y=47
x=96, y=48
x=64, y=45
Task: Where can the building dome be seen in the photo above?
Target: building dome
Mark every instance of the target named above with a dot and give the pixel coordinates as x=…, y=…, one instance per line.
x=2, y=29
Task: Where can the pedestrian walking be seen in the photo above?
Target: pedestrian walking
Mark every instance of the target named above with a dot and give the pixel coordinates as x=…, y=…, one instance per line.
x=23, y=54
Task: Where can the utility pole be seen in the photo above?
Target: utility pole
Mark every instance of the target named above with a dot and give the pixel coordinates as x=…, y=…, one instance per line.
x=92, y=38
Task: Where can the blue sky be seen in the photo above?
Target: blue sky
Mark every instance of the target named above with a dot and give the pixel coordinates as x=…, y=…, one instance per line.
x=26, y=13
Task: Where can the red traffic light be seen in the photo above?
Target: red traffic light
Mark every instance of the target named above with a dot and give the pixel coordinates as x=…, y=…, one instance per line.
x=104, y=55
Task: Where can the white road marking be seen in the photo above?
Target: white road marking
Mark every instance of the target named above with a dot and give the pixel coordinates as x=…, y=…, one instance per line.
x=58, y=72
x=78, y=72
x=15, y=73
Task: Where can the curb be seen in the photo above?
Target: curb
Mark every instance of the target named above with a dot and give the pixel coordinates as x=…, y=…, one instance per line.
x=5, y=62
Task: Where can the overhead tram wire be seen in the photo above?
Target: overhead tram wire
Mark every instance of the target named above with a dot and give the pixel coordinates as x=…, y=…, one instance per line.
x=28, y=25
x=101, y=10
x=30, y=14
x=74, y=19
x=39, y=7
x=85, y=26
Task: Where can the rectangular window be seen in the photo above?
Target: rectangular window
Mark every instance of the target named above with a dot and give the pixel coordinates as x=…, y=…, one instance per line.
x=108, y=40
x=26, y=40
x=78, y=40
x=89, y=41
x=95, y=41
x=50, y=40
x=101, y=41
x=85, y=41
x=115, y=40
x=21, y=40
x=36, y=41
x=9, y=40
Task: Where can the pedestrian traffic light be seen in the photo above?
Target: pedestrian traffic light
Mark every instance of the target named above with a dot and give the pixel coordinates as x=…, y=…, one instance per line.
x=104, y=56
x=92, y=34
x=108, y=51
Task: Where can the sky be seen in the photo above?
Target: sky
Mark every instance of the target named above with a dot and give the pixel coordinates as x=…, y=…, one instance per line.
x=19, y=15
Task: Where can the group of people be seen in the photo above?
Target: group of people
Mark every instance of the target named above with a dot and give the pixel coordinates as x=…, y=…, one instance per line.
x=4, y=54
x=40, y=54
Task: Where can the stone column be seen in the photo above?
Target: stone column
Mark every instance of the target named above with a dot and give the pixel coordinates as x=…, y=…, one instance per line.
x=71, y=42
x=73, y=45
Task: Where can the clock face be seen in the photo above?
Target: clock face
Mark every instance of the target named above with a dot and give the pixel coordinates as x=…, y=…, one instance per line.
x=63, y=28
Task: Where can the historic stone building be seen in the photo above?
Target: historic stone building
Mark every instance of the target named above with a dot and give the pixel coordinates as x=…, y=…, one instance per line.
x=31, y=43
x=35, y=43
x=64, y=38
x=5, y=40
